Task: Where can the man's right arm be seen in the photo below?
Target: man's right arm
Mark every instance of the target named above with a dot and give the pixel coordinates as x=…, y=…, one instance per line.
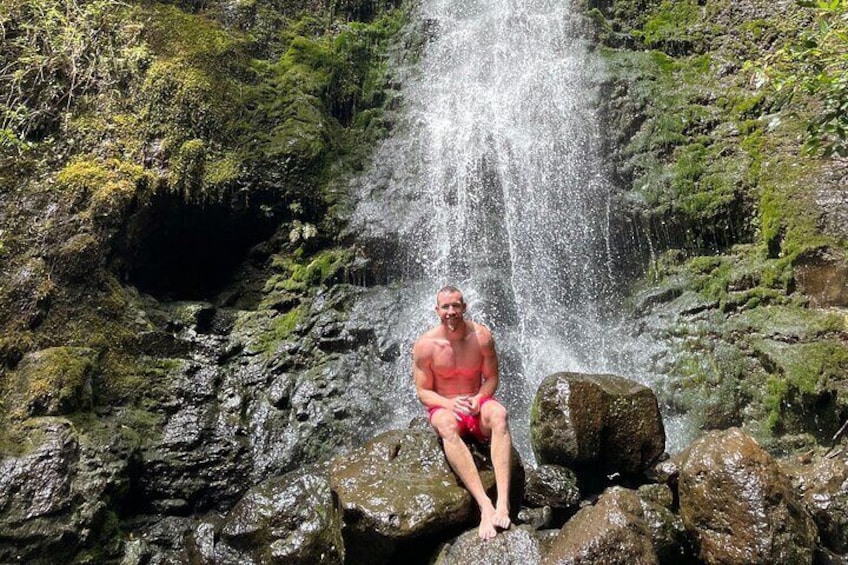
x=423, y=375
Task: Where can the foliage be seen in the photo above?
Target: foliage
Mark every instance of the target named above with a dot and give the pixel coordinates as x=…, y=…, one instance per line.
x=812, y=70
x=52, y=52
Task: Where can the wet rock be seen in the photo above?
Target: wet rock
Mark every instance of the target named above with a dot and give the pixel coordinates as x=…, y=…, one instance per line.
x=516, y=545
x=613, y=531
x=671, y=542
x=56, y=497
x=398, y=488
x=596, y=424
x=536, y=518
x=551, y=485
x=292, y=519
x=822, y=275
x=738, y=504
x=824, y=488
x=189, y=466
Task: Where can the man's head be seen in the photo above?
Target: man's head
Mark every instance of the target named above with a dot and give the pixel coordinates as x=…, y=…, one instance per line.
x=450, y=307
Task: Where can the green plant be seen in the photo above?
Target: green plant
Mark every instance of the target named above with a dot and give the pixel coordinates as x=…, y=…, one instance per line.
x=812, y=70
x=51, y=53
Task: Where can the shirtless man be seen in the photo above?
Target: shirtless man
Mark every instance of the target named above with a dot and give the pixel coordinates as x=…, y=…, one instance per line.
x=456, y=374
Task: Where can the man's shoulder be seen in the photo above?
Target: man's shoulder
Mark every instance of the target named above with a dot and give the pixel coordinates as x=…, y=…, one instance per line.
x=426, y=340
x=482, y=330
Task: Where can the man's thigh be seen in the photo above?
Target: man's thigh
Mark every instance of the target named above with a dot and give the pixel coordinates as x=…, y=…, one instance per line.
x=444, y=422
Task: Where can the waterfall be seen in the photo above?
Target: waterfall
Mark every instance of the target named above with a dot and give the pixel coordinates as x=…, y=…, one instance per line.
x=493, y=181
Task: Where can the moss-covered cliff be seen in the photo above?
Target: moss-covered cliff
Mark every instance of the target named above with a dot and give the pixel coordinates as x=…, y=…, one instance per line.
x=169, y=185
x=747, y=257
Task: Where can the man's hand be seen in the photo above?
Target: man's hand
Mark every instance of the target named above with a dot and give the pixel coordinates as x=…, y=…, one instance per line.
x=474, y=401
x=463, y=405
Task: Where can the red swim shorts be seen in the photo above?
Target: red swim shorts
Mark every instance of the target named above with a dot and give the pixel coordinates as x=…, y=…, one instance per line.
x=468, y=425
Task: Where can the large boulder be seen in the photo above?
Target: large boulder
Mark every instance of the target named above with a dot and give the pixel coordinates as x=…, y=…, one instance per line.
x=398, y=488
x=596, y=423
x=518, y=545
x=293, y=519
x=612, y=532
x=739, y=505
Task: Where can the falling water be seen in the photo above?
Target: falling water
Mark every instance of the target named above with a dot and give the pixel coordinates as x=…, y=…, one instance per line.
x=493, y=181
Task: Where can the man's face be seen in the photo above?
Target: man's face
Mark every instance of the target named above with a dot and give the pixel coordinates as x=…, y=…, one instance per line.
x=450, y=307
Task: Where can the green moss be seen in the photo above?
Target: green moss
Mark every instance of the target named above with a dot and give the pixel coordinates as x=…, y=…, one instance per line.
x=54, y=381
x=223, y=171
x=803, y=376
x=676, y=25
x=181, y=101
x=711, y=383
x=303, y=274
x=19, y=438
x=277, y=329
x=790, y=322
x=109, y=184
x=188, y=168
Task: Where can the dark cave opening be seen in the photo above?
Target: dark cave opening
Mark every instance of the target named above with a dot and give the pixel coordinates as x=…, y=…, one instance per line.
x=174, y=250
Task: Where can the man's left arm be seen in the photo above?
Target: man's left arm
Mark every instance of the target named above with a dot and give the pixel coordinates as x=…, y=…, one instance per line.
x=489, y=370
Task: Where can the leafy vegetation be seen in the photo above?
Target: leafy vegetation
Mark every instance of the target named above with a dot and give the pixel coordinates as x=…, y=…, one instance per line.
x=51, y=53
x=812, y=71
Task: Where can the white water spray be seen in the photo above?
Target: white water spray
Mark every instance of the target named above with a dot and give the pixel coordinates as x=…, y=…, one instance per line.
x=493, y=182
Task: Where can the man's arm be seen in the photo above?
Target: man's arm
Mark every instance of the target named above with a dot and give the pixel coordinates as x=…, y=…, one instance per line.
x=424, y=380
x=489, y=369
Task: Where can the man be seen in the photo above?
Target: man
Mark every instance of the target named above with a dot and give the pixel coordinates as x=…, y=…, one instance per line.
x=456, y=373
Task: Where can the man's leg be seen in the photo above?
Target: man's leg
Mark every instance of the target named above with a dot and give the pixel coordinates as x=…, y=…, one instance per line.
x=462, y=463
x=493, y=420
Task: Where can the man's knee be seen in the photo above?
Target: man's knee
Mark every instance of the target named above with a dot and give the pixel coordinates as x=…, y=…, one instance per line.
x=495, y=416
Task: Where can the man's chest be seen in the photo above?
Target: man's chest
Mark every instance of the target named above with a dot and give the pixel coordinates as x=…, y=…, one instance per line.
x=456, y=356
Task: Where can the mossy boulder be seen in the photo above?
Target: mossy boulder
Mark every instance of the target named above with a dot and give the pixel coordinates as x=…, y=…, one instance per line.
x=55, y=381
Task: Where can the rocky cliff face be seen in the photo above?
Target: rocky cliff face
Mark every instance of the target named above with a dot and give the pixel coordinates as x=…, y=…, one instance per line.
x=179, y=308
x=746, y=278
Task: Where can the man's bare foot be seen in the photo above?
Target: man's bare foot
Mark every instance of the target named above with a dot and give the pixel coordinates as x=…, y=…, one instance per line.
x=500, y=519
x=487, y=529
